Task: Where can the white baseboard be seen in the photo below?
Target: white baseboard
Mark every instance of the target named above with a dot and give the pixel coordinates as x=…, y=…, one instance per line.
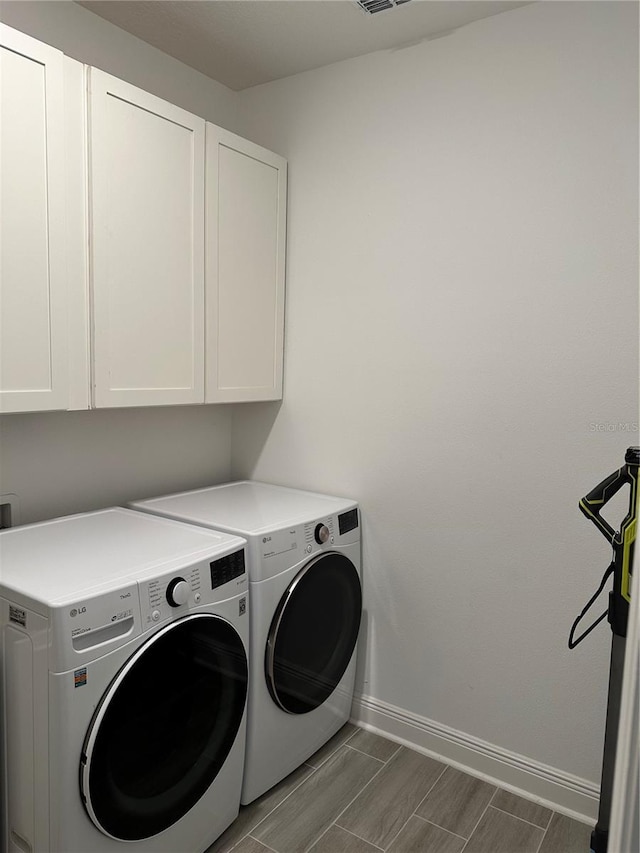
x=560, y=791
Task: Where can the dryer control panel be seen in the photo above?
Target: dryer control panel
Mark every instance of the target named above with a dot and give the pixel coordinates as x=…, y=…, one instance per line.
x=320, y=532
x=278, y=550
x=341, y=529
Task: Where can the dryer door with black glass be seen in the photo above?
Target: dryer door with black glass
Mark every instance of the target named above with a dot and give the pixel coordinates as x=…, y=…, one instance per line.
x=164, y=727
x=313, y=633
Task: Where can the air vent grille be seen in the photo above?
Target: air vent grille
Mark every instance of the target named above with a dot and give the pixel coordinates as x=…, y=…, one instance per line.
x=373, y=6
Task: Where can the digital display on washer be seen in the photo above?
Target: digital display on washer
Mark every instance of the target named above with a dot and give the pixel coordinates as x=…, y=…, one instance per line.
x=227, y=568
x=348, y=521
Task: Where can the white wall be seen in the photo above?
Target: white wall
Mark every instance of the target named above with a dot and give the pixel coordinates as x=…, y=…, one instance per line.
x=75, y=461
x=64, y=462
x=461, y=310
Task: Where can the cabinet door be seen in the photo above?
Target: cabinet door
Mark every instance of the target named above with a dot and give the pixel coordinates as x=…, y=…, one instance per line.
x=246, y=224
x=33, y=335
x=147, y=206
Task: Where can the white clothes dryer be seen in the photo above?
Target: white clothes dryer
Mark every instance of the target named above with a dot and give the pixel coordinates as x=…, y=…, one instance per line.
x=306, y=604
x=124, y=677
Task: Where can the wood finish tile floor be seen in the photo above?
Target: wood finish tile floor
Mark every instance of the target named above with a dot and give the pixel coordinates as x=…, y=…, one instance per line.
x=362, y=793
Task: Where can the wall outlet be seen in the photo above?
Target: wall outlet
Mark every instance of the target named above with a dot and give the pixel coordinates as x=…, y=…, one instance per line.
x=9, y=511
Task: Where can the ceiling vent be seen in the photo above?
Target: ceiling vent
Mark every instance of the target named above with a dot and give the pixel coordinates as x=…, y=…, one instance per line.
x=373, y=6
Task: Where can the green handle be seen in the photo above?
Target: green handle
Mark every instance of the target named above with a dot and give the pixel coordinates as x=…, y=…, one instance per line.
x=592, y=504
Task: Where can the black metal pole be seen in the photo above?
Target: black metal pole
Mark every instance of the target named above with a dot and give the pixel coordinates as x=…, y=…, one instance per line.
x=600, y=835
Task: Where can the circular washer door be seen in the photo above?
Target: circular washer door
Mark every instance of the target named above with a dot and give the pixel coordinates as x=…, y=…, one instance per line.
x=313, y=633
x=164, y=727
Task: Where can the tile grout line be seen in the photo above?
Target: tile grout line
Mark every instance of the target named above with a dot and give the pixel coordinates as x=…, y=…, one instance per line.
x=450, y=830
x=544, y=834
x=517, y=817
x=437, y=826
x=476, y=826
x=322, y=834
x=255, y=825
x=253, y=838
x=331, y=754
x=355, y=835
x=533, y=802
x=379, y=770
x=440, y=775
x=302, y=781
x=489, y=806
x=355, y=749
x=385, y=760
x=455, y=833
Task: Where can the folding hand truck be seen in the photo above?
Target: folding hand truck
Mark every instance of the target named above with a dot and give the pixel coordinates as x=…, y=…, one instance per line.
x=617, y=613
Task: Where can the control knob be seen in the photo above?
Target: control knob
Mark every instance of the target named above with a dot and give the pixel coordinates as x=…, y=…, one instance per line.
x=177, y=592
x=321, y=533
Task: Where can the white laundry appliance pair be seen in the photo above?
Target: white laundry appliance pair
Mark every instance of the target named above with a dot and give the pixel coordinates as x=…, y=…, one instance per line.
x=124, y=641
x=304, y=567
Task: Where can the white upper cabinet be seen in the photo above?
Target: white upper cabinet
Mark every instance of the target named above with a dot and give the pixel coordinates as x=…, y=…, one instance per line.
x=33, y=333
x=114, y=288
x=147, y=247
x=245, y=266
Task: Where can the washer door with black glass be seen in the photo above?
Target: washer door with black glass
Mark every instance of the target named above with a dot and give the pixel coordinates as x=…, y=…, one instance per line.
x=164, y=727
x=313, y=633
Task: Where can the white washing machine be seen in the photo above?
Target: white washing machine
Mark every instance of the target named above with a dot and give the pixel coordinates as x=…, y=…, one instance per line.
x=124, y=679
x=306, y=604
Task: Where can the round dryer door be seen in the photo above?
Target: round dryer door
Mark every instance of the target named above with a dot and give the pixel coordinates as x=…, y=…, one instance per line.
x=313, y=633
x=164, y=727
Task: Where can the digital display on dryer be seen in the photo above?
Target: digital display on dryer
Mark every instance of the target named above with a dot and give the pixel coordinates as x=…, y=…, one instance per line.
x=348, y=521
x=227, y=568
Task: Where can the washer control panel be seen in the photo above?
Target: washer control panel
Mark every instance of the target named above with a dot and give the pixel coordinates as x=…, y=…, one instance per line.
x=227, y=569
x=191, y=586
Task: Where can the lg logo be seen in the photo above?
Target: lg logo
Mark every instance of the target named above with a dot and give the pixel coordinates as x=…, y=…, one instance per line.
x=77, y=611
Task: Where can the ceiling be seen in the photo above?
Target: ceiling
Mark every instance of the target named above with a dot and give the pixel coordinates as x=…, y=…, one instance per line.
x=242, y=43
